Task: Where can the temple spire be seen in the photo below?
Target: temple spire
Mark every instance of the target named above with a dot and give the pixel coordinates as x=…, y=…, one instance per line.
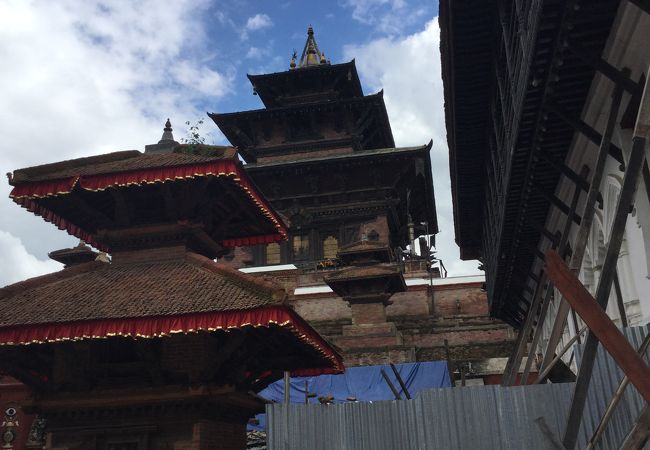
x=166, y=144
x=311, y=55
x=167, y=133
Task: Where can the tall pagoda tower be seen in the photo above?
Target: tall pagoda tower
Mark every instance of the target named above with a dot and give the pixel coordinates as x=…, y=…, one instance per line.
x=323, y=154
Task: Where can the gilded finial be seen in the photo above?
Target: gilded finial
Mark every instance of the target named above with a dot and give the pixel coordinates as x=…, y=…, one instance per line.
x=311, y=55
x=294, y=55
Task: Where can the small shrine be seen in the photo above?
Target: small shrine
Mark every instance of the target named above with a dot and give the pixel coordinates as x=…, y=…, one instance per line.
x=367, y=283
x=158, y=346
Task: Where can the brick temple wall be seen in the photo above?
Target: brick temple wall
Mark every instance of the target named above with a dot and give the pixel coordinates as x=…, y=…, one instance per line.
x=452, y=310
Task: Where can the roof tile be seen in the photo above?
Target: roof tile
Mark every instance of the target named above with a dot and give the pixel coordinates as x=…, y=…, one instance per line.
x=109, y=291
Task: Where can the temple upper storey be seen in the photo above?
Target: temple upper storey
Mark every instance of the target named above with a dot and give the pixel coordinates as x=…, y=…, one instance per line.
x=315, y=105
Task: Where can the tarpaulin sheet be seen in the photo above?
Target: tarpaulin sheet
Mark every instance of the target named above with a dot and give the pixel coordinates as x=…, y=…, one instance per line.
x=363, y=383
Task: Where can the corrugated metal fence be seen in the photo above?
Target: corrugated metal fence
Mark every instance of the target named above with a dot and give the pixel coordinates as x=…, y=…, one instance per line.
x=473, y=417
x=604, y=382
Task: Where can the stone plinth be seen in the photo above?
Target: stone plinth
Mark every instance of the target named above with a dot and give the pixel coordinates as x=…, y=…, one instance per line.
x=369, y=341
x=364, y=313
x=369, y=329
x=370, y=335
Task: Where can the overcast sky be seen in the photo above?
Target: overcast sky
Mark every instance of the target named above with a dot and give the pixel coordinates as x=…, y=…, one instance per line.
x=87, y=77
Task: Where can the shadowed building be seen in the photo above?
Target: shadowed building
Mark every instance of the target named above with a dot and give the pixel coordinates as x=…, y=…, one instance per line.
x=547, y=117
x=160, y=347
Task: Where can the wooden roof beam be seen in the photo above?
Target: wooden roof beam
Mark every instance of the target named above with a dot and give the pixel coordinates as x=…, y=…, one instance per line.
x=559, y=204
x=590, y=133
x=565, y=170
x=619, y=77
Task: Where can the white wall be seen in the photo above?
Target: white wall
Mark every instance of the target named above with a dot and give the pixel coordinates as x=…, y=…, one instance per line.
x=628, y=46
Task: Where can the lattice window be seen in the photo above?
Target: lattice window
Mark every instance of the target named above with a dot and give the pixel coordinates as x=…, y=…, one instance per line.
x=273, y=253
x=330, y=247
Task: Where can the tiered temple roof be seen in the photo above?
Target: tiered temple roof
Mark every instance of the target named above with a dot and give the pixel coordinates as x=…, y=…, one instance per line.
x=164, y=216
x=313, y=105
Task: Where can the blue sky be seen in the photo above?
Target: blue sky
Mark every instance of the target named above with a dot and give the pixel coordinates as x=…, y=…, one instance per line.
x=252, y=37
x=85, y=77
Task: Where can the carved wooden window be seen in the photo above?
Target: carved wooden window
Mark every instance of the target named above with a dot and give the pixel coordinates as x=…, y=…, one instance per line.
x=330, y=247
x=300, y=247
x=273, y=253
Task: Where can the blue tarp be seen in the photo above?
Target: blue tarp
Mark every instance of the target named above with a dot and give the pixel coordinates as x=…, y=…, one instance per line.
x=363, y=383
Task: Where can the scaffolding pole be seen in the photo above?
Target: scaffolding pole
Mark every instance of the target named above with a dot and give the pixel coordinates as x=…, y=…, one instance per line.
x=564, y=239
x=580, y=243
x=601, y=327
x=625, y=202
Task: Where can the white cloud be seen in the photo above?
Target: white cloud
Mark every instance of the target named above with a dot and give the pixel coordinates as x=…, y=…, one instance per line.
x=256, y=53
x=386, y=16
x=17, y=264
x=408, y=69
x=83, y=78
x=258, y=22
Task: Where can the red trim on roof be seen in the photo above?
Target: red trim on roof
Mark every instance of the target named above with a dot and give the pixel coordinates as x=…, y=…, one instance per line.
x=153, y=327
x=42, y=189
x=48, y=215
x=27, y=194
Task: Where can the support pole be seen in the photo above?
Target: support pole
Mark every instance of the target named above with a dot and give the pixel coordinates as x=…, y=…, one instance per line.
x=564, y=238
x=514, y=361
x=559, y=356
x=580, y=243
x=638, y=435
x=390, y=385
x=619, y=300
x=400, y=381
x=616, y=398
x=287, y=386
x=625, y=201
x=450, y=365
x=600, y=325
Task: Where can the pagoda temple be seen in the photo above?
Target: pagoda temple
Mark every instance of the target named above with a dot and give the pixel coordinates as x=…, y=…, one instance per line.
x=323, y=154
x=160, y=347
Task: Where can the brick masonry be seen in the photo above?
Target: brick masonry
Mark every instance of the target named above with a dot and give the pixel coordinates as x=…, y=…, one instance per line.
x=424, y=317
